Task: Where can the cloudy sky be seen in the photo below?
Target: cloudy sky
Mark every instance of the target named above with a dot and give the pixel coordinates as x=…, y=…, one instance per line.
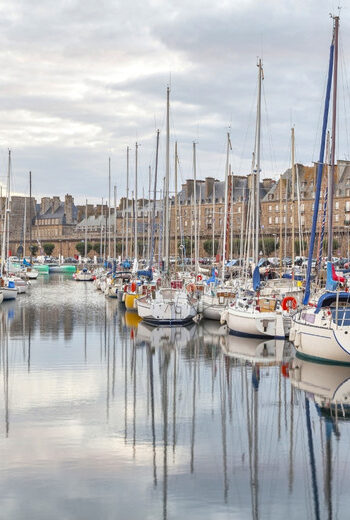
x=81, y=81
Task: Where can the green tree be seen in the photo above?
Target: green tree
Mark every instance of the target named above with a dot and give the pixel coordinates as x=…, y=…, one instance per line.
x=187, y=243
x=297, y=244
x=336, y=245
x=208, y=246
x=96, y=247
x=80, y=247
x=267, y=245
x=48, y=248
x=33, y=249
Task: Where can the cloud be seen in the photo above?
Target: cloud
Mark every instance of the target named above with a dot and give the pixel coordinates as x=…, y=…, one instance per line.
x=81, y=84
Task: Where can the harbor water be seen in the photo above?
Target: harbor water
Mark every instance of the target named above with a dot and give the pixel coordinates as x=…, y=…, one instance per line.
x=105, y=417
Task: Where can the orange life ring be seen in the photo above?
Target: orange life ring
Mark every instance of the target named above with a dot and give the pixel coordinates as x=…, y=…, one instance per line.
x=199, y=277
x=288, y=302
x=191, y=287
x=133, y=287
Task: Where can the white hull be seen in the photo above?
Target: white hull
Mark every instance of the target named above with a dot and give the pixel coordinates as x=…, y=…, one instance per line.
x=321, y=342
x=248, y=322
x=1, y=297
x=9, y=294
x=168, y=307
x=213, y=306
x=84, y=277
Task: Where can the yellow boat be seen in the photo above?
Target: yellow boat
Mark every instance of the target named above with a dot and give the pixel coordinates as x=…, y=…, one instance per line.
x=129, y=301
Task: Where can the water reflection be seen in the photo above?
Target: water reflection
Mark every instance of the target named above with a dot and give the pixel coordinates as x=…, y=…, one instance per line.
x=119, y=420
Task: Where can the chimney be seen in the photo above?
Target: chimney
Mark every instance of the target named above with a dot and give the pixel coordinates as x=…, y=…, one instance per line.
x=68, y=208
x=208, y=190
x=189, y=188
x=56, y=203
x=45, y=204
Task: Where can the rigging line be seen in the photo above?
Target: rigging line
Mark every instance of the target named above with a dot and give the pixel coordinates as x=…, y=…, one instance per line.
x=269, y=133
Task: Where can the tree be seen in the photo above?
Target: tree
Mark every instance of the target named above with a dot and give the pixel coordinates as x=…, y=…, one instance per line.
x=48, y=248
x=33, y=249
x=208, y=246
x=336, y=245
x=186, y=242
x=297, y=244
x=80, y=247
x=96, y=247
x=267, y=245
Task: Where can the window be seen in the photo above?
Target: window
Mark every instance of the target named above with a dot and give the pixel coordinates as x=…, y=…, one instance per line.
x=270, y=220
x=276, y=208
x=276, y=220
x=347, y=205
x=337, y=218
x=270, y=208
x=302, y=208
x=337, y=205
x=239, y=209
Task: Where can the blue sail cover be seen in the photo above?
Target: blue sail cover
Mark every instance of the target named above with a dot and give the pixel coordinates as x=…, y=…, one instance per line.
x=256, y=278
x=328, y=298
x=25, y=263
x=213, y=278
x=148, y=273
x=331, y=284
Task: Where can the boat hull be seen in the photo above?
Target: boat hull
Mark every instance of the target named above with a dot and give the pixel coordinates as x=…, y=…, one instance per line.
x=254, y=324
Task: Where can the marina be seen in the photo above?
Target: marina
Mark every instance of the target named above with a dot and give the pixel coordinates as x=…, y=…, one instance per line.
x=175, y=337
x=196, y=422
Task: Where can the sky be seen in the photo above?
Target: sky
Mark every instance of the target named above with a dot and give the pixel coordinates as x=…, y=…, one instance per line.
x=81, y=81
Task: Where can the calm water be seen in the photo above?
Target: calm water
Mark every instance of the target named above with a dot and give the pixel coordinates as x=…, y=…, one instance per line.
x=102, y=417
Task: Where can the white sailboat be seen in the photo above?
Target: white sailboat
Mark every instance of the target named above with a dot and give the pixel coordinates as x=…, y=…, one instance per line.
x=165, y=306
x=323, y=331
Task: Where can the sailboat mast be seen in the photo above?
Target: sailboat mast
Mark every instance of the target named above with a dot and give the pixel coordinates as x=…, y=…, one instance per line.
x=153, y=221
x=213, y=222
x=175, y=220
x=293, y=198
x=166, y=195
x=127, y=206
x=195, y=210
x=331, y=170
x=136, y=212
x=224, y=255
x=85, y=248
x=109, y=207
x=115, y=224
x=257, y=175
x=30, y=217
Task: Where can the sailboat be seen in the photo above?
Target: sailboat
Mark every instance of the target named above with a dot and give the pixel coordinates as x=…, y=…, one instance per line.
x=170, y=305
x=252, y=315
x=323, y=331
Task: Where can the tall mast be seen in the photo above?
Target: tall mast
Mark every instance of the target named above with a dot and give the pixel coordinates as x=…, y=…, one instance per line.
x=293, y=198
x=149, y=214
x=154, y=205
x=319, y=177
x=257, y=175
x=167, y=171
x=331, y=170
x=195, y=210
x=281, y=224
x=224, y=255
x=30, y=217
x=85, y=249
x=127, y=205
x=115, y=223
x=213, y=222
x=109, y=207
x=24, y=227
x=101, y=235
x=136, y=212
x=175, y=220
